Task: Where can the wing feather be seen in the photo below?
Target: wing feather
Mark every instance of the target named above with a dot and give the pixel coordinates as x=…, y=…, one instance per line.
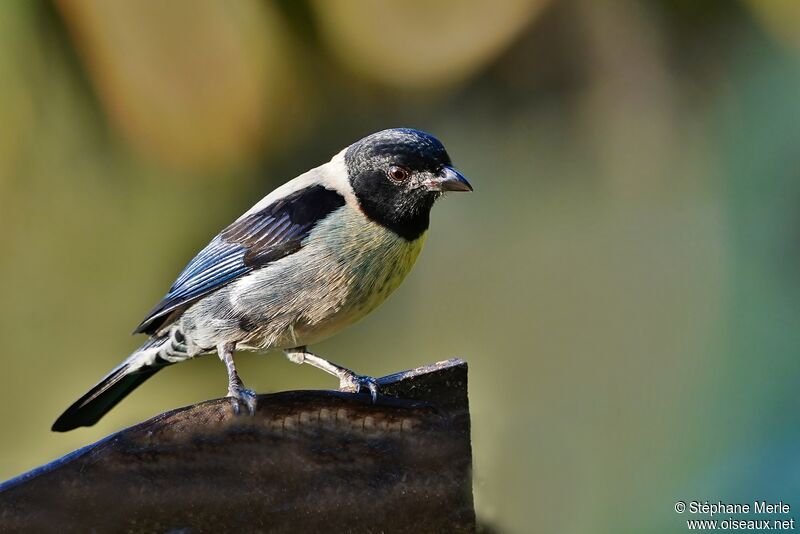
x=250, y=243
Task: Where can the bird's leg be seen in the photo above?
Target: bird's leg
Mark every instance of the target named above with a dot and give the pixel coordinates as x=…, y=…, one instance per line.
x=236, y=389
x=348, y=380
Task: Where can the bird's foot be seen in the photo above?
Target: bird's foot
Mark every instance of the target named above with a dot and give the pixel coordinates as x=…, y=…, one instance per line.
x=349, y=381
x=242, y=396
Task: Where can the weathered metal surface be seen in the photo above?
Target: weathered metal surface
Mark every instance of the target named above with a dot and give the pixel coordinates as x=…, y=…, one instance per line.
x=307, y=461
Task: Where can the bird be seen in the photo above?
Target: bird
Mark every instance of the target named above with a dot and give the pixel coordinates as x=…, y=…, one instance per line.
x=312, y=257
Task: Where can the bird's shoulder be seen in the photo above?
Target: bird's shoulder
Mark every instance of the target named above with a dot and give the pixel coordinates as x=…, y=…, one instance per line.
x=274, y=228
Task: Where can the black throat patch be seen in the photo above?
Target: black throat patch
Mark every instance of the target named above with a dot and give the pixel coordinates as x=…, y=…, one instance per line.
x=404, y=209
x=385, y=204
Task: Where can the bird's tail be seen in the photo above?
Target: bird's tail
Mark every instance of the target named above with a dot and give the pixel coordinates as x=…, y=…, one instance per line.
x=138, y=367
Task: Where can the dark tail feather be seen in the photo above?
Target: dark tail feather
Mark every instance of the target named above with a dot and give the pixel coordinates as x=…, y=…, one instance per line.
x=87, y=410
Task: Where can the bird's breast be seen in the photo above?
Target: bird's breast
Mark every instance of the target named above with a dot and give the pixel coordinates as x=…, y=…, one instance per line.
x=360, y=263
x=346, y=267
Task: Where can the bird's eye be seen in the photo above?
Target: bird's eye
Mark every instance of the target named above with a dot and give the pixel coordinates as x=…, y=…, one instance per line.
x=398, y=174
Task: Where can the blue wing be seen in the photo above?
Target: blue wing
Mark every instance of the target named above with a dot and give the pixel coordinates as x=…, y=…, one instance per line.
x=248, y=244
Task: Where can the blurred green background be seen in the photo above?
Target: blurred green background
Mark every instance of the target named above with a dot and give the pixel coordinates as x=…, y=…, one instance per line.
x=624, y=281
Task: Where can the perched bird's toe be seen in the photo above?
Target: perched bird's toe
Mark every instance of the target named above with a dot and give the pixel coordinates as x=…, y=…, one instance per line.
x=251, y=400
x=243, y=397
x=354, y=383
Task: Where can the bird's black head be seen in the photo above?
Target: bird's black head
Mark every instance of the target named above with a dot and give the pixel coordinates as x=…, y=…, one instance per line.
x=397, y=175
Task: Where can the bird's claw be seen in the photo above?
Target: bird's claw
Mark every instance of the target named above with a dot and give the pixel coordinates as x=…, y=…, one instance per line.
x=240, y=395
x=353, y=382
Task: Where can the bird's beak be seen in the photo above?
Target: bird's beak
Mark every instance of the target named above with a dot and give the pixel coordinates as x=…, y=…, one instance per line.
x=448, y=179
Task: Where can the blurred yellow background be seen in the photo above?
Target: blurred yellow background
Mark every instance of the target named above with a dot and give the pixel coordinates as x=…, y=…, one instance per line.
x=624, y=281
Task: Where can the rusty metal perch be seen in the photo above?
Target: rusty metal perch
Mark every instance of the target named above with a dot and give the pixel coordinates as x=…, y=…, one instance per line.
x=307, y=461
